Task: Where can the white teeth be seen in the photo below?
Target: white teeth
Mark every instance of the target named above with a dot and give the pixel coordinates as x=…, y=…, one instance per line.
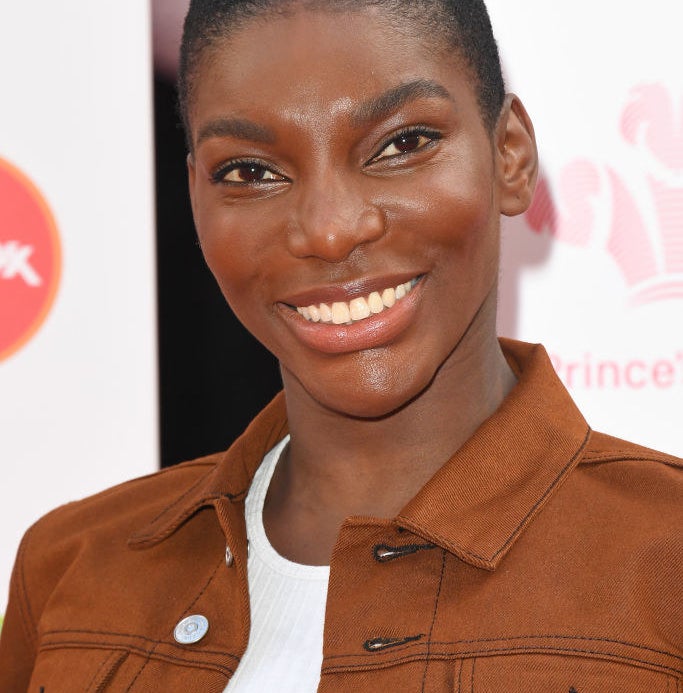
x=325, y=313
x=342, y=313
x=375, y=303
x=359, y=309
x=389, y=297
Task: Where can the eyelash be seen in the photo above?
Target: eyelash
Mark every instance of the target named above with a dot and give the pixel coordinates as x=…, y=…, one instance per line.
x=415, y=130
x=219, y=175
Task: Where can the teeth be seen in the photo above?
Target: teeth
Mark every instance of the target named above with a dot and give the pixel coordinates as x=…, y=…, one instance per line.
x=314, y=312
x=325, y=313
x=342, y=313
x=389, y=297
x=375, y=303
x=359, y=309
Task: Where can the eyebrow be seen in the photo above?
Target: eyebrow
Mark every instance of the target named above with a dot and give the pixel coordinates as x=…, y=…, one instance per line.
x=372, y=110
x=238, y=128
x=385, y=104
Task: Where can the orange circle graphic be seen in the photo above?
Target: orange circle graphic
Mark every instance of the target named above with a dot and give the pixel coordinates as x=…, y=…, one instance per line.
x=30, y=259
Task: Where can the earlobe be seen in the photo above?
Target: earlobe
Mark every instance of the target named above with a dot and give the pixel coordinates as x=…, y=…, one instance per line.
x=517, y=157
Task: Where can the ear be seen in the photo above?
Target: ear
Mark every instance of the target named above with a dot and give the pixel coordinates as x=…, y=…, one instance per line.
x=516, y=157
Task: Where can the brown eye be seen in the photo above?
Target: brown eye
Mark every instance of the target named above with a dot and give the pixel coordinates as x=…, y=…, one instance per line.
x=406, y=143
x=247, y=173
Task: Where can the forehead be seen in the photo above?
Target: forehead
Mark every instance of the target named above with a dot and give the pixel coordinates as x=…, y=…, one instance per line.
x=319, y=63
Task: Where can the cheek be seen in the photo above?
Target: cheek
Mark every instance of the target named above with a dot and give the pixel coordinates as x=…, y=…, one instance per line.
x=449, y=210
x=237, y=251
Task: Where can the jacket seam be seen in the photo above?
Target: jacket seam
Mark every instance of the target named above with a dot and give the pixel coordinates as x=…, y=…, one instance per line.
x=158, y=642
x=431, y=627
x=619, y=456
x=488, y=560
x=148, y=654
x=109, y=656
x=578, y=638
x=110, y=644
x=567, y=651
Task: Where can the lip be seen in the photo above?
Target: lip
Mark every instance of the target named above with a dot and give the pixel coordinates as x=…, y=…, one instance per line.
x=374, y=331
x=347, y=291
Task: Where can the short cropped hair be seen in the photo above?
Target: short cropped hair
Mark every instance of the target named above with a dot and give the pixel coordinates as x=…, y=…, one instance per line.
x=463, y=25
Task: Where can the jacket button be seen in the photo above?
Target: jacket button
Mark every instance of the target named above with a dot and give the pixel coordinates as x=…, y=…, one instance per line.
x=229, y=558
x=191, y=629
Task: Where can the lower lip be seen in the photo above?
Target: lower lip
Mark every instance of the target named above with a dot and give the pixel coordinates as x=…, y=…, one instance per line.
x=372, y=332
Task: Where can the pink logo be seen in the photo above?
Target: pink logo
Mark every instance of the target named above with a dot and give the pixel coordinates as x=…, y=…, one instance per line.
x=639, y=217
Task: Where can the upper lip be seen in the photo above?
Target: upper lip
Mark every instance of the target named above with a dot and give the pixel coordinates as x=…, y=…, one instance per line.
x=346, y=291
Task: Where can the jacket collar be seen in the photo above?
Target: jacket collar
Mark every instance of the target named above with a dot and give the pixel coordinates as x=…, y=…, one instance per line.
x=482, y=499
x=477, y=504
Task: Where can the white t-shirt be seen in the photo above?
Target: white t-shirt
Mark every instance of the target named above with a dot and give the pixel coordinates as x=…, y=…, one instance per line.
x=287, y=599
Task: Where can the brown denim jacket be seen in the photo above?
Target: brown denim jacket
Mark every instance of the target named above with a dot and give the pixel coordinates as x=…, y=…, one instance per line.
x=542, y=557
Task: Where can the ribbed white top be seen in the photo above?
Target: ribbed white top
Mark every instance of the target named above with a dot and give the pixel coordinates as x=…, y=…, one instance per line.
x=287, y=599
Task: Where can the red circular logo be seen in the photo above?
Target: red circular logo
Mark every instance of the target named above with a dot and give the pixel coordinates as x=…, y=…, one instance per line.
x=30, y=259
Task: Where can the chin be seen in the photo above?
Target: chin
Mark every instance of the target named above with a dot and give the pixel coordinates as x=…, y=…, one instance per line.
x=376, y=396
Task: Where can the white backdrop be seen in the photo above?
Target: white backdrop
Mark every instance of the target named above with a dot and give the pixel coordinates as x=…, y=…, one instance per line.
x=77, y=389
x=595, y=269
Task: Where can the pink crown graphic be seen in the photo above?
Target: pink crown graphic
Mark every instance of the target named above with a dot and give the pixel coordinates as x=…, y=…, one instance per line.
x=639, y=218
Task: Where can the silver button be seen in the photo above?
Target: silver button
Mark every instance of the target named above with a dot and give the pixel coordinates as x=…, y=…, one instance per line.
x=229, y=558
x=191, y=629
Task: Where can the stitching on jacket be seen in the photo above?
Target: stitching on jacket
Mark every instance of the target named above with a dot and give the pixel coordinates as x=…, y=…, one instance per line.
x=566, y=651
x=184, y=495
x=431, y=627
x=474, y=664
x=220, y=565
x=518, y=528
x=580, y=638
x=462, y=663
x=630, y=456
x=109, y=657
x=187, y=610
x=161, y=656
x=56, y=643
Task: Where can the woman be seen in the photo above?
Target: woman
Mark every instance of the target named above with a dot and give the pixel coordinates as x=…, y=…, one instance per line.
x=425, y=508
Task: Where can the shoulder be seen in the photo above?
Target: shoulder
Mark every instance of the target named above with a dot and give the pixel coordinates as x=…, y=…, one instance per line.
x=630, y=496
x=103, y=522
x=632, y=468
x=125, y=506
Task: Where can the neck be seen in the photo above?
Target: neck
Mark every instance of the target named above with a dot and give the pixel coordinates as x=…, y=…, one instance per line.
x=337, y=466
x=379, y=464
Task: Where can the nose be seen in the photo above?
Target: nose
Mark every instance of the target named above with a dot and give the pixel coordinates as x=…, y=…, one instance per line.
x=332, y=219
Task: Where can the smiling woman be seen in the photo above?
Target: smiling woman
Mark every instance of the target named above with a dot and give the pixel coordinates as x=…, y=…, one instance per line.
x=424, y=506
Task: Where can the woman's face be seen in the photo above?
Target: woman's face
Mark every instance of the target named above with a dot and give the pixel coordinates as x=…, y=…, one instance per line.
x=336, y=158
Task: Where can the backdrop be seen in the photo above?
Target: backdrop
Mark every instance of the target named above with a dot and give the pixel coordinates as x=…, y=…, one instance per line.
x=77, y=319
x=595, y=269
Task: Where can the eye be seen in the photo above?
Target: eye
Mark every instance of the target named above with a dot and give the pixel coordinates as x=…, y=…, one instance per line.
x=245, y=173
x=406, y=143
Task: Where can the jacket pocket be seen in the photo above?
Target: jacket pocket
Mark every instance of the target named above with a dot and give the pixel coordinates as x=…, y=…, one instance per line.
x=531, y=673
x=66, y=670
